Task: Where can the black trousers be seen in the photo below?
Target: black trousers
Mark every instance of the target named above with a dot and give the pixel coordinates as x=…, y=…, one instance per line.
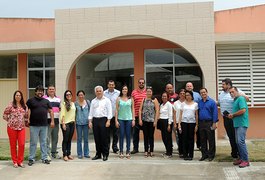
x=198, y=139
x=148, y=131
x=180, y=141
x=136, y=132
x=208, y=146
x=188, y=139
x=230, y=130
x=166, y=136
x=114, y=131
x=101, y=136
x=67, y=138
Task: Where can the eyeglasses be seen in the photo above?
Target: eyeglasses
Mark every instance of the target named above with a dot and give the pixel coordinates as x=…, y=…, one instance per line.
x=140, y=82
x=69, y=94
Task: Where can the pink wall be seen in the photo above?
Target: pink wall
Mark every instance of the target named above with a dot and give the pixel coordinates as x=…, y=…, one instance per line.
x=26, y=29
x=248, y=19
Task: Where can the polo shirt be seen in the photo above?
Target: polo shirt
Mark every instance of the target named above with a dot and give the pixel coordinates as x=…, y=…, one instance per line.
x=208, y=110
x=55, y=102
x=38, y=111
x=242, y=120
x=173, y=98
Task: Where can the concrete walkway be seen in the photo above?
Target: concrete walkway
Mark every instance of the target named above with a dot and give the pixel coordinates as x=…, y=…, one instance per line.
x=138, y=167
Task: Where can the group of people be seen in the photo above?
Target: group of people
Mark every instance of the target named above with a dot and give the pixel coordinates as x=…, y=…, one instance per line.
x=121, y=112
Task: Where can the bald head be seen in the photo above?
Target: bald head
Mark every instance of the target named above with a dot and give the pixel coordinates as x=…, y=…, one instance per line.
x=189, y=86
x=169, y=89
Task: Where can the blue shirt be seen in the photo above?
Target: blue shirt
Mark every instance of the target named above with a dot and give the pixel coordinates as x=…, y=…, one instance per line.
x=208, y=110
x=226, y=101
x=196, y=97
x=82, y=113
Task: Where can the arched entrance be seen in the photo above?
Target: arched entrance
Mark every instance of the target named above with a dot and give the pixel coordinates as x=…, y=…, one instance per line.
x=126, y=59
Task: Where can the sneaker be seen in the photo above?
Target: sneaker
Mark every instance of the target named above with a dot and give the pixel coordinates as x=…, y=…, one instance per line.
x=87, y=156
x=134, y=151
x=49, y=158
x=244, y=164
x=167, y=156
x=80, y=157
x=237, y=162
x=56, y=156
x=31, y=162
x=46, y=161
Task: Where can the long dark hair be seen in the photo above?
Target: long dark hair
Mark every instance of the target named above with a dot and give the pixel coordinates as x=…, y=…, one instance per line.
x=22, y=102
x=66, y=101
x=128, y=93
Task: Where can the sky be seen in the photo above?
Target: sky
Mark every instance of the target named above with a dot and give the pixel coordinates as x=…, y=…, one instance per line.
x=45, y=8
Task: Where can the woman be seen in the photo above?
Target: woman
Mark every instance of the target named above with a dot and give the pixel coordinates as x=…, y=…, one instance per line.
x=166, y=119
x=188, y=122
x=148, y=115
x=16, y=114
x=125, y=119
x=67, y=117
x=82, y=110
x=176, y=113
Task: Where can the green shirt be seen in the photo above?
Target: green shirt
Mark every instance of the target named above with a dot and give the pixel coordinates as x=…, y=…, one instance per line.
x=125, y=110
x=242, y=120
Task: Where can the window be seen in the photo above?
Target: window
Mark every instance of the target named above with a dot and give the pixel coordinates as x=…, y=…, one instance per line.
x=98, y=69
x=8, y=66
x=244, y=64
x=41, y=71
x=175, y=66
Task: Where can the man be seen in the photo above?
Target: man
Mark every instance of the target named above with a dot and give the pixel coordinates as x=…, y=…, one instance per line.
x=138, y=95
x=226, y=105
x=38, y=121
x=197, y=98
x=208, y=116
x=52, y=137
x=100, y=115
x=172, y=95
x=241, y=123
x=113, y=94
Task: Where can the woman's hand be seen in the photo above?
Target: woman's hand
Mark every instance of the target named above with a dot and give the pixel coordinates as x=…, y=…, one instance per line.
x=64, y=127
x=117, y=124
x=133, y=123
x=90, y=125
x=168, y=128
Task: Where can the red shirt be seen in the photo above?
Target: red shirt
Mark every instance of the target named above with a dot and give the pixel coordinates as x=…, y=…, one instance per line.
x=138, y=95
x=173, y=98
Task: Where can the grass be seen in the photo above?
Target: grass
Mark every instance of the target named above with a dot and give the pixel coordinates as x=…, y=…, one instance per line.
x=255, y=151
x=5, y=151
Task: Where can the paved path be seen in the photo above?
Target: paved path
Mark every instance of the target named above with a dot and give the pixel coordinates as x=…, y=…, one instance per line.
x=138, y=167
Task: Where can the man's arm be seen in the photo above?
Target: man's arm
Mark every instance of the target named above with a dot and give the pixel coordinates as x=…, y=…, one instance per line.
x=52, y=117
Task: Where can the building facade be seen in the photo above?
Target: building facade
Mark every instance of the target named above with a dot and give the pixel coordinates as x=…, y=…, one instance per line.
x=167, y=43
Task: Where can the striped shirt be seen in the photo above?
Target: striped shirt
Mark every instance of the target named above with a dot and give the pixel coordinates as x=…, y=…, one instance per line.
x=226, y=101
x=55, y=102
x=138, y=96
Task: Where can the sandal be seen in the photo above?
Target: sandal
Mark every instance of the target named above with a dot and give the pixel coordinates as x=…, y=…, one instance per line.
x=21, y=165
x=145, y=154
x=65, y=158
x=121, y=155
x=15, y=165
x=152, y=154
x=70, y=157
x=128, y=155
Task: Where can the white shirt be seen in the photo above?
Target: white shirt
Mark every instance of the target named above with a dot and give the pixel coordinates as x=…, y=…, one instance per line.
x=100, y=108
x=188, y=112
x=166, y=112
x=177, y=107
x=112, y=97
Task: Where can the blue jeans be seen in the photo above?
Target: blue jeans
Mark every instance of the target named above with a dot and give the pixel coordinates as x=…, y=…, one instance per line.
x=241, y=143
x=38, y=132
x=125, y=128
x=82, y=134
